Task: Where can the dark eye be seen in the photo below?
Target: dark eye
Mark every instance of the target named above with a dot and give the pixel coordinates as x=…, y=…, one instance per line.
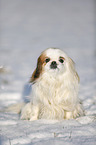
x=47, y=60
x=61, y=60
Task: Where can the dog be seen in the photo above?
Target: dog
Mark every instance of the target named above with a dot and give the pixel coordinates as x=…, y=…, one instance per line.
x=55, y=86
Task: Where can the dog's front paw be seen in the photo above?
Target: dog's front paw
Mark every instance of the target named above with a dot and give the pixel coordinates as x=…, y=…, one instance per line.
x=26, y=112
x=78, y=111
x=29, y=112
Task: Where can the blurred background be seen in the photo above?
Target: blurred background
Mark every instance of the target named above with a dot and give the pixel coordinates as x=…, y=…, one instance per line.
x=27, y=27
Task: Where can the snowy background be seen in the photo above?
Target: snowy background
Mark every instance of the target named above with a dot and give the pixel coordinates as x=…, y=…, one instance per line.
x=27, y=27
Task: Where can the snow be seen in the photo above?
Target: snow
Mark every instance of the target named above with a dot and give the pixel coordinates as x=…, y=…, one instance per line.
x=27, y=27
x=46, y=131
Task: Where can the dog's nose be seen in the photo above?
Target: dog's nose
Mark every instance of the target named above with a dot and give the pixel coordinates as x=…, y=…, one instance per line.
x=53, y=65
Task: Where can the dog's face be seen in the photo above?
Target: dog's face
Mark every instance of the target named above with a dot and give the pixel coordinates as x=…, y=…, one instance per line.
x=53, y=61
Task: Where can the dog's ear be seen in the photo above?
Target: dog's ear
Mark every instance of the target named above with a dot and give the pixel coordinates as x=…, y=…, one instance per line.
x=38, y=69
x=71, y=64
x=72, y=69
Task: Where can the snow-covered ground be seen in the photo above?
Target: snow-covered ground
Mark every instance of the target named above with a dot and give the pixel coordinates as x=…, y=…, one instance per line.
x=27, y=27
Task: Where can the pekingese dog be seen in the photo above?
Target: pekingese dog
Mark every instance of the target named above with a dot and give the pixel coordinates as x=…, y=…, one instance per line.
x=55, y=85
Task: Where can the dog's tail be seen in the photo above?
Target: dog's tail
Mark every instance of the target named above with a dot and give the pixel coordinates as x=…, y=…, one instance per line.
x=15, y=108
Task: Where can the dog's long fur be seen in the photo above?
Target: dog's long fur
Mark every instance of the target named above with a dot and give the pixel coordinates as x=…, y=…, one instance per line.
x=54, y=90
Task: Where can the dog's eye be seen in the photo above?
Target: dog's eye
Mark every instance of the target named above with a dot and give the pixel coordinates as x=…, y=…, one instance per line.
x=47, y=60
x=61, y=60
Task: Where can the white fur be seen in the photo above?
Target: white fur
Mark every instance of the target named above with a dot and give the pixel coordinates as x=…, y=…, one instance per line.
x=55, y=92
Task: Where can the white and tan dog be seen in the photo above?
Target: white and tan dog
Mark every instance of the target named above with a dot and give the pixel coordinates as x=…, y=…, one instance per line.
x=55, y=85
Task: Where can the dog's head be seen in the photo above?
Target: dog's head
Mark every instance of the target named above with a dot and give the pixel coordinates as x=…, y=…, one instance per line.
x=53, y=61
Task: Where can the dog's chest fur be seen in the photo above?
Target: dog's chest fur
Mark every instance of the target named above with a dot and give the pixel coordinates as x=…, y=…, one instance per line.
x=52, y=94
x=49, y=90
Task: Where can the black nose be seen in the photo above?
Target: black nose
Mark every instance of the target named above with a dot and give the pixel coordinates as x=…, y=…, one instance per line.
x=53, y=65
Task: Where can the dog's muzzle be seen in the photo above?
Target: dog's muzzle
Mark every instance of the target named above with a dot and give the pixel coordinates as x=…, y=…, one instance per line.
x=53, y=65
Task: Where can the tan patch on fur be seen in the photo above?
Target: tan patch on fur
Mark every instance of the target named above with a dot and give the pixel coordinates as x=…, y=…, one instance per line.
x=40, y=63
x=62, y=58
x=78, y=77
